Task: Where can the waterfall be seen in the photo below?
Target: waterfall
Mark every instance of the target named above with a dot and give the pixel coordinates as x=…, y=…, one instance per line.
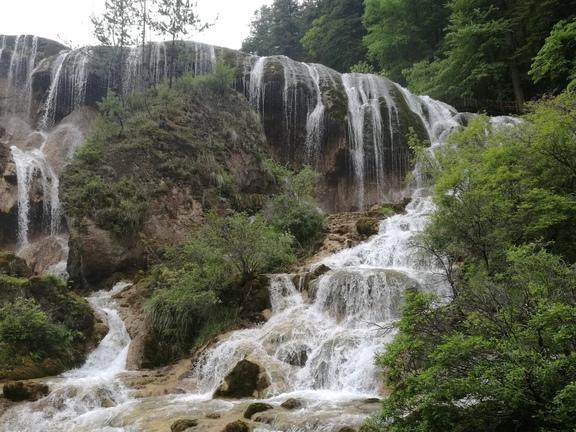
x=257, y=90
x=204, y=58
x=158, y=62
x=2, y=46
x=32, y=165
x=49, y=108
x=20, y=70
x=314, y=123
x=366, y=95
x=85, y=399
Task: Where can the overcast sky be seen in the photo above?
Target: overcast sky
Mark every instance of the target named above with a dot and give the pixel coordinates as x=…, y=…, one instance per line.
x=69, y=20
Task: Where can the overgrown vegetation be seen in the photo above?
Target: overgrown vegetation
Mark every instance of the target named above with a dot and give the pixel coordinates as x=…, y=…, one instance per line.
x=208, y=283
x=44, y=328
x=501, y=355
x=217, y=278
x=163, y=138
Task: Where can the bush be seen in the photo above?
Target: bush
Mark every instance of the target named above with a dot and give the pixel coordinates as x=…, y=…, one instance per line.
x=26, y=329
x=300, y=219
x=198, y=291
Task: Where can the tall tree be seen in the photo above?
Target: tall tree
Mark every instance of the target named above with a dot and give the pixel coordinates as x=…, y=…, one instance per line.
x=278, y=29
x=335, y=38
x=115, y=28
x=403, y=32
x=176, y=18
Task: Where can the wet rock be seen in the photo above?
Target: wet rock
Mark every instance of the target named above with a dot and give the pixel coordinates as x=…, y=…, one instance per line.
x=346, y=429
x=292, y=404
x=372, y=400
x=213, y=416
x=19, y=391
x=13, y=265
x=256, y=407
x=183, y=424
x=247, y=379
x=296, y=357
x=237, y=426
x=367, y=226
x=267, y=314
x=319, y=271
x=265, y=419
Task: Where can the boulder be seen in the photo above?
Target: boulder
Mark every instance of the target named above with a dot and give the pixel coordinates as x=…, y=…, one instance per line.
x=292, y=404
x=95, y=255
x=19, y=391
x=246, y=379
x=183, y=424
x=237, y=426
x=367, y=226
x=346, y=429
x=256, y=407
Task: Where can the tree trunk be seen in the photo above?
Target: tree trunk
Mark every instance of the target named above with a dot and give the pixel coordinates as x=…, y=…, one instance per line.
x=515, y=75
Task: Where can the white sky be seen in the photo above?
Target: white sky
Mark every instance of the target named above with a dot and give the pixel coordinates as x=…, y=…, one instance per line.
x=69, y=20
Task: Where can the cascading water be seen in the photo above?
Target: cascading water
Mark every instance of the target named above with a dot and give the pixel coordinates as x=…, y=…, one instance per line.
x=22, y=62
x=32, y=165
x=89, y=398
x=2, y=46
x=314, y=123
x=49, y=108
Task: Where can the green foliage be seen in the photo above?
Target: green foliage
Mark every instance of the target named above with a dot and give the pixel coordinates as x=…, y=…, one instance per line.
x=401, y=33
x=27, y=330
x=299, y=218
x=219, y=81
x=277, y=29
x=476, y=49
x=335, y=38
x=505, y=346
x=503, y=233
x=293, y=210
x=205, y=278
x=555, y=61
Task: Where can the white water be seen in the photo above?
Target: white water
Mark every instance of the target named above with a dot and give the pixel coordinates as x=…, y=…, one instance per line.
x=31, y=167
x=49, y=108
x=90, y=398
x=329, y=344
x=22, y=62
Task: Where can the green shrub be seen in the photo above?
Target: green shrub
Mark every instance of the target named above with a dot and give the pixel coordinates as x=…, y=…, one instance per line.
x=204, y=278
x=299, y=218
x=26, y=329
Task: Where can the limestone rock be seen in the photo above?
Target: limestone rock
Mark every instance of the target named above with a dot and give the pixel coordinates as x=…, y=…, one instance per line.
x=183, y=424
x=95, y=255
x=237, y=426
x=247, y=379
x=256, y=407
x=19, y=391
